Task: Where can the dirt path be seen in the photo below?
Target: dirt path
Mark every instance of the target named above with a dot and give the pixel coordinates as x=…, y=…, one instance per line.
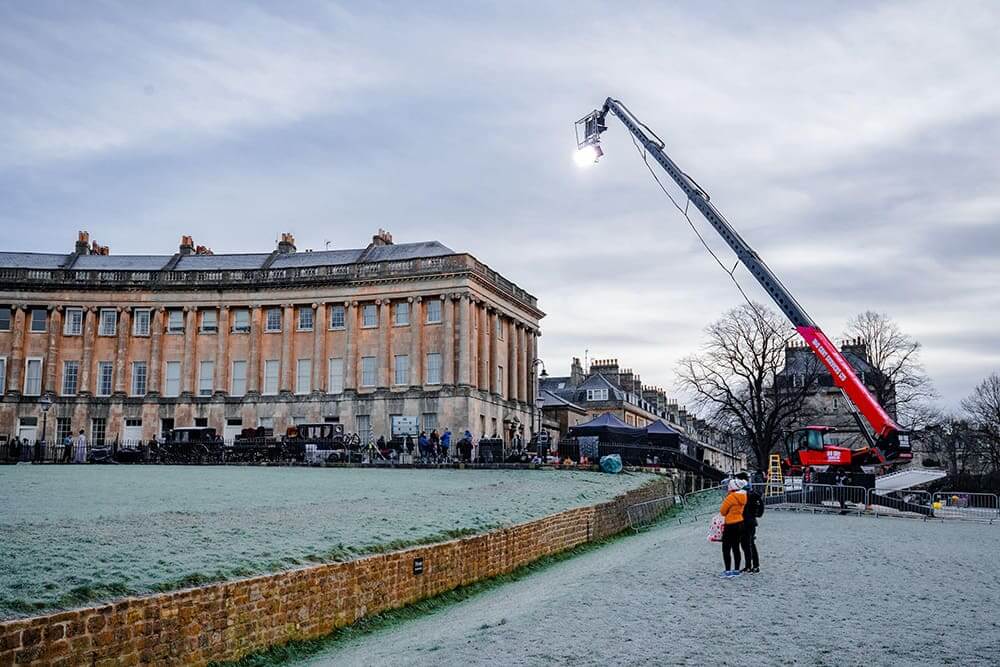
x=833, y=591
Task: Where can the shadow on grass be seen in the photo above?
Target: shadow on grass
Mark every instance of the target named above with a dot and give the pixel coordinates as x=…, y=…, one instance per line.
x=301, y=649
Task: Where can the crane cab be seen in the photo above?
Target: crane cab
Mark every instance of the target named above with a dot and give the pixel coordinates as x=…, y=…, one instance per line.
x=809, y=447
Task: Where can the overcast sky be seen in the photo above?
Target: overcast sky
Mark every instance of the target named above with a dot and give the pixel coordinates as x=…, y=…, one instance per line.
x=854, y=145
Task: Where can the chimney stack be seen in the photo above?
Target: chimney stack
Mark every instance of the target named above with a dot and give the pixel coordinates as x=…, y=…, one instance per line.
x=382, y=238
x=286, y=246
x=186, y=246
x=82, y=243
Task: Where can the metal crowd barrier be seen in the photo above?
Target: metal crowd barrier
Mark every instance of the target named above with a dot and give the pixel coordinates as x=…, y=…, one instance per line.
x=964, y=505
x=643, y=515
x=902, y=502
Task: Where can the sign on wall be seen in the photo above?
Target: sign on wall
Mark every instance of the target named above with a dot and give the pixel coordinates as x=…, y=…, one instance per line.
x=402, y=425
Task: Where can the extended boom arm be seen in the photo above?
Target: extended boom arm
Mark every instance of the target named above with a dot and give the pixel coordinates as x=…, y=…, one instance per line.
x=888, y=433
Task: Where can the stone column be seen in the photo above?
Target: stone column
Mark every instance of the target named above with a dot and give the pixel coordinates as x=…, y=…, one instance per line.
x=493, y=318
x=155, y=340
x=287, y=363
x=512, y=360
x=253, y=363
x=384, y=358
x=532, y=372
x=87, y=357
x=350, y=345
x=448, y=338
x=484, y=347
x=188, y=359
x=416, y=341
x=221, y=380
x=464, y=339
x=319, y=361
x=52, y=355
x=522, y=364
x=121, y=351
x=15, y=365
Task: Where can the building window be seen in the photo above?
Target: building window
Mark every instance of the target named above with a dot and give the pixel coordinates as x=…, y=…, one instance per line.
x=98, y=427
x=4, y=318
x=209, y=321
x=70, y=378
x=172, y=379
x=201, y=422
x=364, y=426
x=64, y=429
x=265, y=422
x=39, y=320
x=428, y=421
x=335, y=377
x=336, y=317
x=273, y=321
x=140, y=322
x=175, y=321
x=239, y=378
x=369, y=316
x=433, y=311
x=498, y=327
x=241, y=320
x=402, y=314
x=305, y=318
x=402, y=369
x=271, y=367
x=303, y=376
x=206, y=372
x=597, y=394
x=73, y=325
x=500, y=379
x=105, y=377
x=139, y=376
x=109, y=322
x=433, y=370
x=32, y=377
x=368, y=371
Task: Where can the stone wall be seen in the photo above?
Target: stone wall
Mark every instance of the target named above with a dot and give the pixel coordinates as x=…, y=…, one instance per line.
x=227, y=621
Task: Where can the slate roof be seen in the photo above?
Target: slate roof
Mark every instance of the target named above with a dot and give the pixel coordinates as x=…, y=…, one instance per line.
x=547, y=399
x=225, y=262
x=31, y=260
x=578, y=394
x=121, y=262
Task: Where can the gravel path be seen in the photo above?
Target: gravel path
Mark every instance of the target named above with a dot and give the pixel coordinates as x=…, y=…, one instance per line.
x=834, y=590
x=76, y=534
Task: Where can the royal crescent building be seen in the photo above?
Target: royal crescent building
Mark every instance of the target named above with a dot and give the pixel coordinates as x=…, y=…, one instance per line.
x=127, y=347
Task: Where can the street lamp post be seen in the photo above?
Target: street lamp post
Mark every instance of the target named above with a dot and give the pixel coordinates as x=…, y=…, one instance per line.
x=44, y=403
x=534, y=401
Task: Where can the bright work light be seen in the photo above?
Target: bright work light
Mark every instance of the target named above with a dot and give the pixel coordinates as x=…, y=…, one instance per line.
x=588, y=155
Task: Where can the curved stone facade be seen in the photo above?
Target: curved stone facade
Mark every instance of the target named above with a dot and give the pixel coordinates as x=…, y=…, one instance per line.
x=232, y=342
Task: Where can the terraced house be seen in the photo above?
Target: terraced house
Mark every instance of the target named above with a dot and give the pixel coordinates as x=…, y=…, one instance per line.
x=127, y=347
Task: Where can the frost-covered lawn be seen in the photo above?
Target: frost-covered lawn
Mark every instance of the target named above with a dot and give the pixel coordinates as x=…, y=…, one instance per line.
x=71, y=535
x=833, y=590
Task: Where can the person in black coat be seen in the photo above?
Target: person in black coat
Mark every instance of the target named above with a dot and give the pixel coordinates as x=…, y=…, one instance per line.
x=753, y=510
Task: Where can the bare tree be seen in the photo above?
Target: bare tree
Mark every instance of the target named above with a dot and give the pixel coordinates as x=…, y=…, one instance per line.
x=736, y=378
x=983, y=408
x=900, y=384
x=955, y=443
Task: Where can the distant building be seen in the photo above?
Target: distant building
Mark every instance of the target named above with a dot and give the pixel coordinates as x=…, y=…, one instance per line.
x=825, y=403
x=130, y=346
x=607, y=388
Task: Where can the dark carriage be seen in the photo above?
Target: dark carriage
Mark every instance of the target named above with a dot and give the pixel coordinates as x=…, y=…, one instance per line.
x=195, y=444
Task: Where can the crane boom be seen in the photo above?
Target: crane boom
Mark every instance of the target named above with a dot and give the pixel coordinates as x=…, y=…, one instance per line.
x=890, y=439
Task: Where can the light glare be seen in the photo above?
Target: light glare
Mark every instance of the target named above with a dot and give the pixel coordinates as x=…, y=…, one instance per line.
x=587, y=155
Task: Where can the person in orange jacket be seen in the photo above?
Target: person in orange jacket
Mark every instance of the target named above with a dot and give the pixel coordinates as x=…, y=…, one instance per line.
x=732, y=511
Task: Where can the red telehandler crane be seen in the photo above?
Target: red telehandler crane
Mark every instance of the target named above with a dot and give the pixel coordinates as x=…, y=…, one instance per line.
x=887, y=442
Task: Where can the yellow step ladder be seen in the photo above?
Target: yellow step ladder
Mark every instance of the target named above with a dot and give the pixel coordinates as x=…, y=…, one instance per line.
x=775, y=482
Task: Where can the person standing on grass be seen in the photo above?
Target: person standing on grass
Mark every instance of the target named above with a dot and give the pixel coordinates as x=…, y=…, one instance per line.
x=748, y=537
x=732, y=512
